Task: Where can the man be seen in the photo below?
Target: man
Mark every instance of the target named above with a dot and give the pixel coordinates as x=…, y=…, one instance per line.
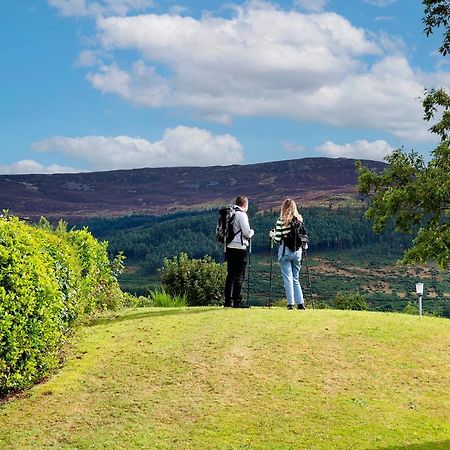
x=236, y=254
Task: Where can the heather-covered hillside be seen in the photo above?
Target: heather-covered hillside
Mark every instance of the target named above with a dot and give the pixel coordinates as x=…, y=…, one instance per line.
x=313, y=181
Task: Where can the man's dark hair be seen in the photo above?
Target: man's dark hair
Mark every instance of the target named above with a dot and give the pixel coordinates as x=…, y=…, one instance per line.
x=242, y=200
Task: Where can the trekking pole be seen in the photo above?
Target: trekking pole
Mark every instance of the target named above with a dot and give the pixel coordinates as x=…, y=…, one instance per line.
x=309, y=278
x=248, y=274
x=270, y=276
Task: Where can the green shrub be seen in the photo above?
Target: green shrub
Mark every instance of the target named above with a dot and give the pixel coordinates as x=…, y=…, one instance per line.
x=354, y=301
x=201, y=281
x=133, y=301
x=321, y=304
x=44, y=287
x=160, y=298
x=33, y=316
x=279, y=303
x=100, y=285
x=411, y=308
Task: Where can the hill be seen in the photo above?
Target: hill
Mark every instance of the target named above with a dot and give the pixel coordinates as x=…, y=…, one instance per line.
x=162, y=190
x=233, y=379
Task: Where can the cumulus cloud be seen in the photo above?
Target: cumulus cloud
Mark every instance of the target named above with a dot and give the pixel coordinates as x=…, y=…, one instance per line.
x=360, y=149
x=80, y=8
x=180, y=146
x=27, y=166
x=265, y=61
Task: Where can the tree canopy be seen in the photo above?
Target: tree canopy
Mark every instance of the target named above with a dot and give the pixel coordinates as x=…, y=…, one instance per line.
x=414, y=194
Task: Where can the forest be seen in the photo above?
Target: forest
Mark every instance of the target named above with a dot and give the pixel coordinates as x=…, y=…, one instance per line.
x=146, y=240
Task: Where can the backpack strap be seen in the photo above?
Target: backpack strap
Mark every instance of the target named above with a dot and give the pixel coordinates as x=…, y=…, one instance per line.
x=236, y=208
x=234, y=234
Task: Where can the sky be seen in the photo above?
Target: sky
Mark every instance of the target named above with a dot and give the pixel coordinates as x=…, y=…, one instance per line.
x=93, y=85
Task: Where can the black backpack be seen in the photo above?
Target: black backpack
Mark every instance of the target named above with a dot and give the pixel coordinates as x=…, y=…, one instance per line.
x=224, y=227
x=297, y=236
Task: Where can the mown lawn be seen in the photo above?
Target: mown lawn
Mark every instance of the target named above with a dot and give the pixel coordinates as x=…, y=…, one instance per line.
x=211, y=378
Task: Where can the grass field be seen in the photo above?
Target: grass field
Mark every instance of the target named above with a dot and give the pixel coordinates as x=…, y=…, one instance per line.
x=210, y=378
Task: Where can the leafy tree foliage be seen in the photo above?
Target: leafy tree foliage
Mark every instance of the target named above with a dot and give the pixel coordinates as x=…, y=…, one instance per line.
x=437, y=14
x=416, y=195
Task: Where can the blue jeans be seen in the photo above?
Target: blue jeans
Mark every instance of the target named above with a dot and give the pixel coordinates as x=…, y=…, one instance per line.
x=290, y=265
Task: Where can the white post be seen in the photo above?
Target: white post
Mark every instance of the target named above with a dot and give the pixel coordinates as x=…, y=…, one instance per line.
x=419, y=291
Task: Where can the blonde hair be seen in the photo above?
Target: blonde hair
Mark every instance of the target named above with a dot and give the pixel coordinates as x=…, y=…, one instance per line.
x=289, y=211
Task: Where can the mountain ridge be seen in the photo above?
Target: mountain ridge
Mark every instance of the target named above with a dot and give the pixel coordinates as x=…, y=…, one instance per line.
x=162, y=190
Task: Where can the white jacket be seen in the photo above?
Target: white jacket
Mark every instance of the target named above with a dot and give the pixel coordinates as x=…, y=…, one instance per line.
x=242, y=229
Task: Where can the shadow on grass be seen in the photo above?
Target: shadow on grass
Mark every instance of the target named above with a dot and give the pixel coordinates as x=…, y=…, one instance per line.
x=147, y=313
x=442, y=445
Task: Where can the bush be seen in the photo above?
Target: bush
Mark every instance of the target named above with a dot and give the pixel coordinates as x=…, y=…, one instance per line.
x=100, y=286
x=411, y=308
x=201, y=281
x=133, y=301
x=355, y=302
x=44, y=287
x=280, y=303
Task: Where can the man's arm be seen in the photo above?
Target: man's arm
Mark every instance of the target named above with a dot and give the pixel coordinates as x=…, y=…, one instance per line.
x=245, y=226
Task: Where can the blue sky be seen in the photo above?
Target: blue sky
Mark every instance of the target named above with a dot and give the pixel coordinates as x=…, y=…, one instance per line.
x=109, y=84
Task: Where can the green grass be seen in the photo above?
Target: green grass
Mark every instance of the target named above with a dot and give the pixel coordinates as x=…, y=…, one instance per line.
x=209, y=378
x=162, y=299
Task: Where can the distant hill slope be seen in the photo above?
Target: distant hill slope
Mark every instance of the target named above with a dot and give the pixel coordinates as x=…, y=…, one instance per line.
x=161, y=190
x=243, y=379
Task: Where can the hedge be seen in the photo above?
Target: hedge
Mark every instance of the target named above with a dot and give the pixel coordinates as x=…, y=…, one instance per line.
x=48, y=280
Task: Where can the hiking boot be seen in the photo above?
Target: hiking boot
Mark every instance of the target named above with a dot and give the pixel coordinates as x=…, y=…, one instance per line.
x=301, y=306
x=290, y=307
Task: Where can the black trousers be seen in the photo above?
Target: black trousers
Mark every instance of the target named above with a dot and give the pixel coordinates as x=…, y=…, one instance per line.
x=236, y=263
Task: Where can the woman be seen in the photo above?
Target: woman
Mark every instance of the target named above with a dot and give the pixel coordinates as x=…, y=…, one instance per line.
x=290, y=260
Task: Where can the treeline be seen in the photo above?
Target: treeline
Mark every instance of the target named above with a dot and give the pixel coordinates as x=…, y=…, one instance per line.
x=146, y=240
x=49, y=278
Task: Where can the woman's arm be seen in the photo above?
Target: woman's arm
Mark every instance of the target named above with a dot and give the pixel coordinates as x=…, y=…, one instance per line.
x=278, y=232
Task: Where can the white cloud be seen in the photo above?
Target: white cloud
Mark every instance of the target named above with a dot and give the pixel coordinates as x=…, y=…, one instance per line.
x=26, y=166
x=79, y=8
x=87, y=58
x=361, y=149
x=392, y=44
x=142, y=85
x=264, y=61
x=180, y=146
x=311, y=5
